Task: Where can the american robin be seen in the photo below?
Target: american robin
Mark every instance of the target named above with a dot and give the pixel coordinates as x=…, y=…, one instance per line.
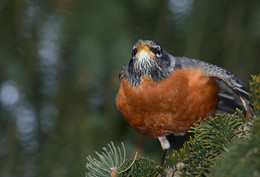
x=161, y=94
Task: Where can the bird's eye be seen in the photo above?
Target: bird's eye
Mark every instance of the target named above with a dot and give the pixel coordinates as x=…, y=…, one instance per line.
x=134, y=51
x=157, y=51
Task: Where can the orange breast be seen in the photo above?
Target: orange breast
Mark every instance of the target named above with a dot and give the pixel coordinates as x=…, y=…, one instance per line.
x=172, y=105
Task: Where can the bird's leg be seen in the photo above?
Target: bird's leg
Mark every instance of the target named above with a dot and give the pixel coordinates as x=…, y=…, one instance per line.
x=165, y=146
x=165, y=151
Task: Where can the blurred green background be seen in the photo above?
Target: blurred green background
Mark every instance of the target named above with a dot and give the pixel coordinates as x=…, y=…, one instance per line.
x=59, y=65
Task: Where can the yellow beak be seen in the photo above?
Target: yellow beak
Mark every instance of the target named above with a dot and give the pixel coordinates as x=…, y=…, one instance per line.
x=141, y=45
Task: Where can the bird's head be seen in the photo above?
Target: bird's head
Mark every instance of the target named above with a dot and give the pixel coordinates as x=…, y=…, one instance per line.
x=149, y=58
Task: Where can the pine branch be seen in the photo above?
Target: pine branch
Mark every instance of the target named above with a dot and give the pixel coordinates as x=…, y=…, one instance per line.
x=211, y=138
x=144, y=166
x=255, y=92
x=243, y=158
x=111, y=162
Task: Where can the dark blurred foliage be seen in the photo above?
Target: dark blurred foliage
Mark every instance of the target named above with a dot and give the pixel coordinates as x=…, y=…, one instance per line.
x=59, y=65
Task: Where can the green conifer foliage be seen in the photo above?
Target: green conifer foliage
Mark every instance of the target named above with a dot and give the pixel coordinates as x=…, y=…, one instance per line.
x=243, y=157
x=211, y=138
x=143, y=166
x=111, y=162
x=255, y=91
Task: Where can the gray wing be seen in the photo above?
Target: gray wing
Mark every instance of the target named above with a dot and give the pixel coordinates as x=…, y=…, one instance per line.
x=232, y=91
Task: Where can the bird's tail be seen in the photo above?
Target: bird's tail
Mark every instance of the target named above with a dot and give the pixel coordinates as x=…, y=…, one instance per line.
x=229, y=100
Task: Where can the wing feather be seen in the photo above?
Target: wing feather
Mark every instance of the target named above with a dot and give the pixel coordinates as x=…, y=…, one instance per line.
x=233, y=82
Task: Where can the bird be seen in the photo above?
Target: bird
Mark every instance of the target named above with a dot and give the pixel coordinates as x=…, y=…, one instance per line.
x=161, y=94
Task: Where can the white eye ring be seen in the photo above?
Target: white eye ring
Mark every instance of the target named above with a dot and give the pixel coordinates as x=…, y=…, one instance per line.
x=159, y=55
x=159, y=51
